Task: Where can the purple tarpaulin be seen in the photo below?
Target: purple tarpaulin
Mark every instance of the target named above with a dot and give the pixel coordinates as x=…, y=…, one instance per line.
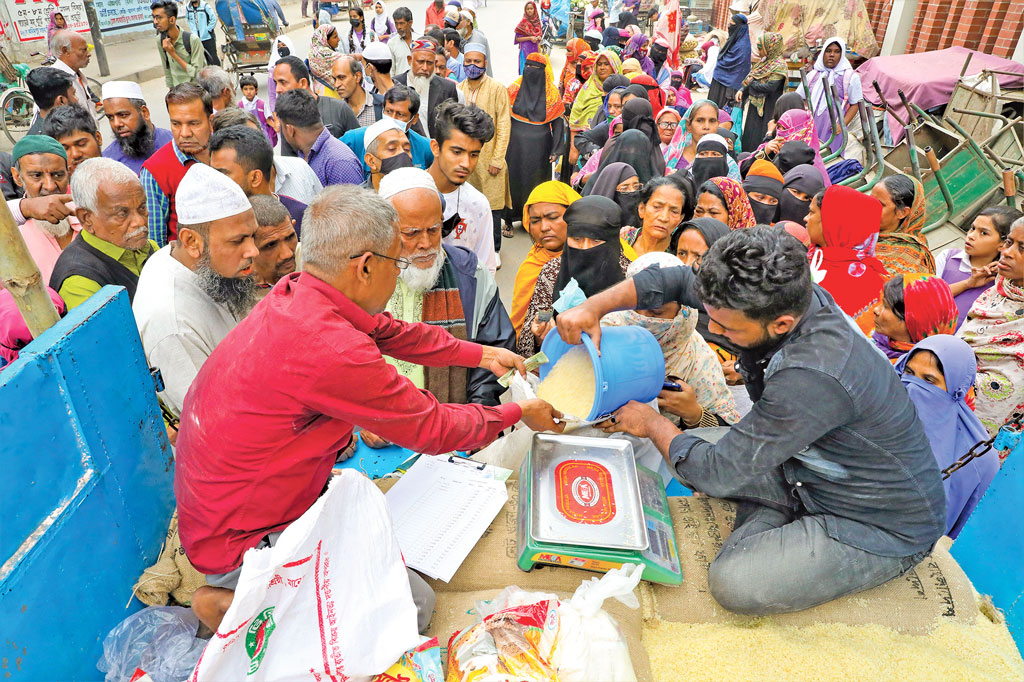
x=928, y=78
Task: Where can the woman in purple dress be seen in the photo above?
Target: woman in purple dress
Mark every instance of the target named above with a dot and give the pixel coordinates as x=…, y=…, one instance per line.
x=528, y=33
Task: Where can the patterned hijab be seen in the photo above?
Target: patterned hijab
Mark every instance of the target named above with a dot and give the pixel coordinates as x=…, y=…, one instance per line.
x=741, y=214
x=687, y=355
x=591, y=96
x=533, y=97
x=906, y=250
x=771, y=68
x=929, y=305
x=798, y=124
x=321, y=54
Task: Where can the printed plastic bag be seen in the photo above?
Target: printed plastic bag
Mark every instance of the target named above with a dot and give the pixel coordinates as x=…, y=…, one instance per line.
x=590, y=644
x=330, y=600
x=160, y=640
x=422, y=664
x=516, y=641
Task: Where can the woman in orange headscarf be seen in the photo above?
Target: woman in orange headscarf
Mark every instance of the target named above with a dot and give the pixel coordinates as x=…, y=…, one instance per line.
x=538, y=130
x=573, y=49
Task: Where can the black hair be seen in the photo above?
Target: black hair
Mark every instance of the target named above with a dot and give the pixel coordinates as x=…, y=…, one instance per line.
x=382, y=65
x=296, y=66
x=711, y=188
x=454, y=36
x=168, y=6
x=47, y=84
x=938, y=361
x=648, y=190
x=892, y=294
x=403, y=93
x=67, y=119
x=685, y=184
x=298, y=108
x=468, y=119
x=759, y=271
x=252, y=149
x=819, y=199
x=403, y=14
x=901, y=189
x=183, y=93
x=1002, y=217
x=352, y=34
x=248, y=80
x=435, y=35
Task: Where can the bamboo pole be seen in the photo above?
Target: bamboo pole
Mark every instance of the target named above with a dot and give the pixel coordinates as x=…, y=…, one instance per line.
x=20, y=275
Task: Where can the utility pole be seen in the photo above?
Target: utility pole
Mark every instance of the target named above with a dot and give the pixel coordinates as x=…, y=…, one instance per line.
x=97, y=37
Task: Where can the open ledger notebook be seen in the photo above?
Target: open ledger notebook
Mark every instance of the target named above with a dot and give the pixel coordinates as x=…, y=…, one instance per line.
x=440, y=508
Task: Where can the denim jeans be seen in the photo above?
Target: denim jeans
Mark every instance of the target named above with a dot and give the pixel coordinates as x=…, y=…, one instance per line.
x=777, y=562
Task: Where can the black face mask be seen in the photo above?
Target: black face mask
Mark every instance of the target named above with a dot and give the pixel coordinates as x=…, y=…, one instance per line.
x=764, y=213
x=402, y=160
x=449, y=225
x=676, y=81
x=791, y=208
x=628, y=202
x=705, y=168
x=356, y=22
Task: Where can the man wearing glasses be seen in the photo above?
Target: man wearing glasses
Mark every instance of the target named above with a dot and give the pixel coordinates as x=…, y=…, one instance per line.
x=276, y=403
x=425, y=293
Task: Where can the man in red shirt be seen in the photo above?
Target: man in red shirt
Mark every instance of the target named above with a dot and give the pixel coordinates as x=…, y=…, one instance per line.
x=435, y=14
x=278, y=398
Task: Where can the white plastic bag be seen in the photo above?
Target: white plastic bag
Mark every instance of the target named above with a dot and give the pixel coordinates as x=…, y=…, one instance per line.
x=590, y=644
x=331, y=599
x=160, y=640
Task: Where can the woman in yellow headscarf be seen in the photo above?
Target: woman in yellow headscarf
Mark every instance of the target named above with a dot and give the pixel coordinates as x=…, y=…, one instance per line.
x=542, y=218
x=591, y=96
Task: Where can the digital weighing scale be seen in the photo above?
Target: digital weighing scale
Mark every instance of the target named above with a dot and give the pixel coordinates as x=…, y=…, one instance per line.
x=584, y=502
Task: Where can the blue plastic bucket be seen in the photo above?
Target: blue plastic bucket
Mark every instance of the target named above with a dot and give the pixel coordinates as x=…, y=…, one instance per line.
x=631, y=366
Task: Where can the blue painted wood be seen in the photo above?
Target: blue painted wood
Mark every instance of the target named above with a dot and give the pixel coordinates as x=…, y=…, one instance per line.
x=375, y=463
x=86, y=492
x=990, y=548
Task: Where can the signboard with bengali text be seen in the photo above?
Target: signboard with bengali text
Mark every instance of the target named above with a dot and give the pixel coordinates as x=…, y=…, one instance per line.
x=28, y=19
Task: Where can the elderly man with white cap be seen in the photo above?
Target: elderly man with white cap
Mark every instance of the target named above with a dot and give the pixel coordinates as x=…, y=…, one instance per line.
x=193, y=291
x=423, y=294
x=386, y=148
x=279, y=398
x=135, y=136
x=360, y=139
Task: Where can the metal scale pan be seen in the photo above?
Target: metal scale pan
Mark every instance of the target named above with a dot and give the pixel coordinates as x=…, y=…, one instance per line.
x=585, y=492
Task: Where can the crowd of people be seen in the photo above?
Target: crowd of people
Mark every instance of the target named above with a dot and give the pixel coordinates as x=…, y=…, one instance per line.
x=850, y=362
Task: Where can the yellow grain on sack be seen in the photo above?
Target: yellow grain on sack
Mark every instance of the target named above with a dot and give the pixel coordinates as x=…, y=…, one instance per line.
x=766, y=651
x=570, y=385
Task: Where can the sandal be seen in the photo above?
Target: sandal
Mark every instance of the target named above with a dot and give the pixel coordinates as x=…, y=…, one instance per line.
x=506, y=231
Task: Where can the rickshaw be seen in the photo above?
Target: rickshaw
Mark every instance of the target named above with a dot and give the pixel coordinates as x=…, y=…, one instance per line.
x=249, y=30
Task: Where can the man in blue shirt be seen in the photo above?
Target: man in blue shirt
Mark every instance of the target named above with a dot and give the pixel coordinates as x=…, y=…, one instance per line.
x=303, y=129
x=402, y=105
x=453, y=46
x=203, y=21
x=135, y=136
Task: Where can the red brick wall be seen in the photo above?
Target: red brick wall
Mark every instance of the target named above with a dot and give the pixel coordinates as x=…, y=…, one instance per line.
x=990, y=26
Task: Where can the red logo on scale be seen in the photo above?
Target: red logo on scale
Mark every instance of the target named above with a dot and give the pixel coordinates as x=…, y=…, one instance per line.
x=583, y=492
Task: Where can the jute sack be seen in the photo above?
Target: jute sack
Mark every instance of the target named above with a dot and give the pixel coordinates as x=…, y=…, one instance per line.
x=936, y=590
x=173, y=575
x=457, y=610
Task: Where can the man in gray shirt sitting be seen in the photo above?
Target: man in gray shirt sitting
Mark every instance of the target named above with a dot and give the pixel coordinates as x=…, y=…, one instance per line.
x=836, y=484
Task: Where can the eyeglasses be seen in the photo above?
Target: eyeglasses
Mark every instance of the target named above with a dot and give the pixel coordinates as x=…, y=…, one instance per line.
x=668, y=125
x=635, y=187
x=415, y=232
x=402, y=263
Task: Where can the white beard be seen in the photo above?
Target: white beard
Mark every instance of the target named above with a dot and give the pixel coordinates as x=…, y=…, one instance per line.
x=55, y=230
x=421, y=85
x=420, y=280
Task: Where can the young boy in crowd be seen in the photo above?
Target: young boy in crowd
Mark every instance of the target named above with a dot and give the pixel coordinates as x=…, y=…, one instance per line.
x=257, y=107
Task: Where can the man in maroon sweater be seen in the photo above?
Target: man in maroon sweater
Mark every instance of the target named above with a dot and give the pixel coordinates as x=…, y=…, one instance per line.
x=277, y=400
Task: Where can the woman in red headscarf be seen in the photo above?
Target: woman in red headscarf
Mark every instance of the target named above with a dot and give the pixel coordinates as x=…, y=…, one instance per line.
x=528, y=33
x=843, y=227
